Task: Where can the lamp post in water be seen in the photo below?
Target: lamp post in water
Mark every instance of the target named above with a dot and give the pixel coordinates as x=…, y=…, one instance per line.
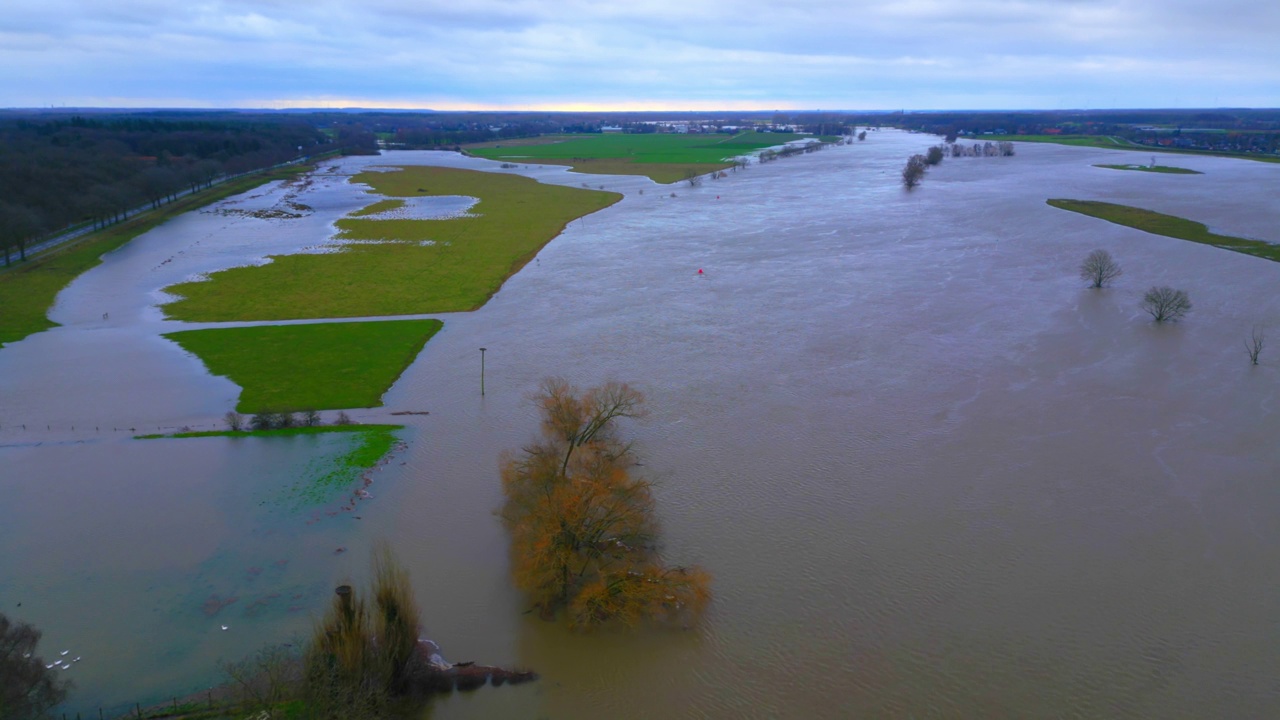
x=481, y=372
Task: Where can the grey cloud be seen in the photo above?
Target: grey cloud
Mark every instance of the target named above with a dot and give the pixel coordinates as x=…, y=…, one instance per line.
x=905, y=53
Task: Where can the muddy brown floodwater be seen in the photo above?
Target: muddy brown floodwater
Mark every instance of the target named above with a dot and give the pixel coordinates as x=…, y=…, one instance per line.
x=932, y=474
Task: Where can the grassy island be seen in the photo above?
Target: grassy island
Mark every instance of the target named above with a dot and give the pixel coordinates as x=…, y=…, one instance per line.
x=662, y=157
x=413, y=266
x=1168, y=169
x=1167, y=225
x=319, y=366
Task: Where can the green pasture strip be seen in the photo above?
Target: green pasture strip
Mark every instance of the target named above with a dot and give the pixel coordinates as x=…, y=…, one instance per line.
x=379, y=207
x=321, y=366
x=663, y=157
x=1167, y=225
x=661, y=173
x=278, y=432
x=28, y=290
x=1169, y=169
x=1108, y=142
x=425, y=266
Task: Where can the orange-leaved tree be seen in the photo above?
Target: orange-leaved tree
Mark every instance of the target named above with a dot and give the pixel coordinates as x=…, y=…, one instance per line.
x=582, y=527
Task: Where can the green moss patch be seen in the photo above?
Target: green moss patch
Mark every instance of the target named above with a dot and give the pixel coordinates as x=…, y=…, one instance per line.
x=322, y=366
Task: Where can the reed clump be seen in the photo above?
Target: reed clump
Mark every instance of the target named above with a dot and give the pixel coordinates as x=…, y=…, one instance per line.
x=362, y=654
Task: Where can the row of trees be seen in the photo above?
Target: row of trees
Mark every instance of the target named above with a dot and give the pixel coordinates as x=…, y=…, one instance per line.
x=1004, y=148
x=917, y=165
x=56, y=172
x=582, y=526
x=269, y=420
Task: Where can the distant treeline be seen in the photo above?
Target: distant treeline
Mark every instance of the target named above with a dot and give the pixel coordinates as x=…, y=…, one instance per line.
x=57, y=172
x=1227, y=130
x=59, y=168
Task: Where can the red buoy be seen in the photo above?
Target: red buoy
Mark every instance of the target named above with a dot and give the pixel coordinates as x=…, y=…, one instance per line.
x=699, y=271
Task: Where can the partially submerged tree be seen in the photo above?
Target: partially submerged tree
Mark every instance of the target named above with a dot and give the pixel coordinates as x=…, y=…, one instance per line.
x=934, y=155
x=1166, y=303
x=582, y=527
x=1254, y=344
x=1099, y=268
x=914, y=171
x=27, y=688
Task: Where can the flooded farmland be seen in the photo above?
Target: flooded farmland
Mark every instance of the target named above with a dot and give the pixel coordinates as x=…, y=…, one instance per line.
x=931, y=473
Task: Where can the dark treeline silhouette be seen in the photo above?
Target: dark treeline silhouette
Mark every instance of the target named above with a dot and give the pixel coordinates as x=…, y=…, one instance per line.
x=1220, y=130
x=59, y=171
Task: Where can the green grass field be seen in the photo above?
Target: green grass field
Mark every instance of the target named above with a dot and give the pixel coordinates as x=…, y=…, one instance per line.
x=322, y=366
x=465, y=262
x=1167, y=225
x=663, y=157
x=1099, y=141
x=1168, y=169
x=27, y=290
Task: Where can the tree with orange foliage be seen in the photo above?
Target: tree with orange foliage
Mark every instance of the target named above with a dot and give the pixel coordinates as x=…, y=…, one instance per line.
x=582, y=528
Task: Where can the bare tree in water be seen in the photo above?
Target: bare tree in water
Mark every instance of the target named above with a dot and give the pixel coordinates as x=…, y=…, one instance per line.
x=1099, y=268
x=1166, y=303
x=1254, y=344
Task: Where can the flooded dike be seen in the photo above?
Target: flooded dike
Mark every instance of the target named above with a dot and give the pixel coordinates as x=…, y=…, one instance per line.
x=931, y=473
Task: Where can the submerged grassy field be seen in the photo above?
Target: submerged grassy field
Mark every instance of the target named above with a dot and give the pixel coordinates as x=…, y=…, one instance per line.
x=1167, y=225
x=1099, y=141
x=1168, y=169
x=1114, y=143
x=371, y=444
x=420, y=266
x=663, y=157
x=321, y=366
x=28, y=290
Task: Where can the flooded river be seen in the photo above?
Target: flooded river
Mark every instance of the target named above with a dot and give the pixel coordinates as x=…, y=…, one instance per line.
x=932, y=474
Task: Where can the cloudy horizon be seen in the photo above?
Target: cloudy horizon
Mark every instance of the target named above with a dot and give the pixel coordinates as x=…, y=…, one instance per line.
x=654, y=55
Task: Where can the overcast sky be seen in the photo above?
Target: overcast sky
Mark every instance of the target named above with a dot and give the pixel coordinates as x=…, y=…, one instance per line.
x=641, y=54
